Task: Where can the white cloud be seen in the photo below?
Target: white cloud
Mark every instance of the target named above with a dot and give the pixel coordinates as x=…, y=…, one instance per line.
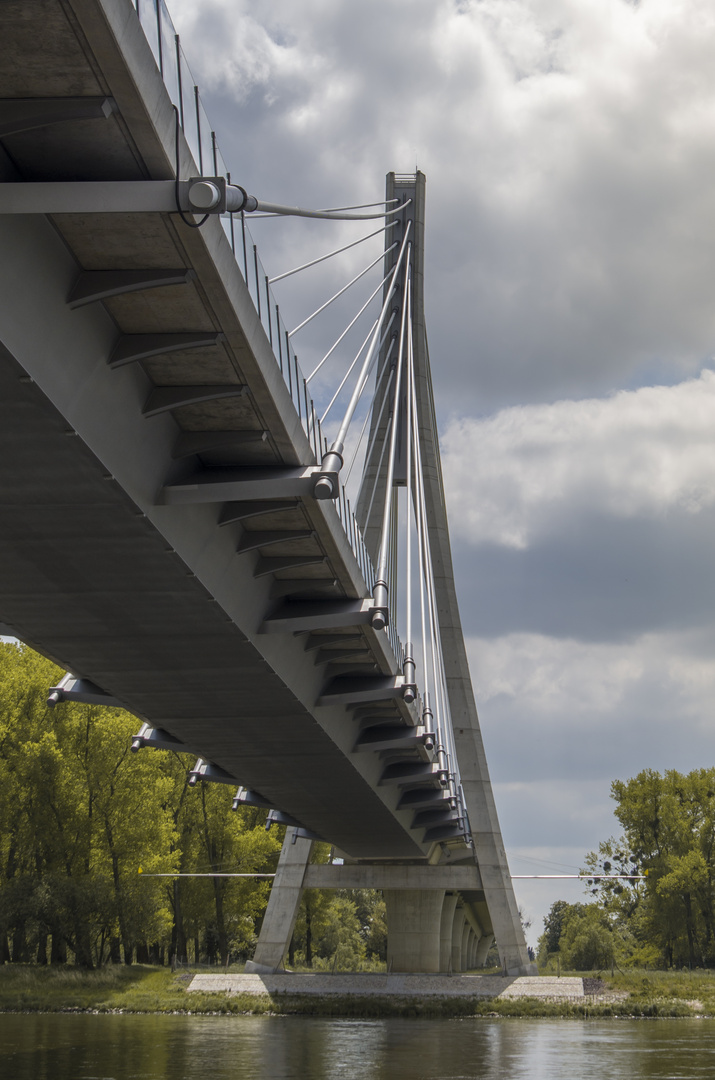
x=648, y=453
x=599, y=711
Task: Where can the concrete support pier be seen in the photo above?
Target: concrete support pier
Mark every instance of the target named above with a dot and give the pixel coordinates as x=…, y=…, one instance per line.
x=283, y=904
x=457, y=933
x=449, y=908
x=414, y=919
x=483, y=946
x=437, y=918
x=466, y=934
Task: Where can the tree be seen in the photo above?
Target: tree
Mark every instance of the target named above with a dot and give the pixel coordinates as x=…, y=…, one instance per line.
x=549, y=942
x=586, y=939
x=80, y=815
x=669, y=838
x=215, y=840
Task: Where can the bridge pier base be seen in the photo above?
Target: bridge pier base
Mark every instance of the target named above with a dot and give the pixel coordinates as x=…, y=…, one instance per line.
x=473, y=954
x=468, y=938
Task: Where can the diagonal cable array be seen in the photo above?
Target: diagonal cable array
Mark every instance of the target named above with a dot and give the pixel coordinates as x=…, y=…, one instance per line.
x=403, y=589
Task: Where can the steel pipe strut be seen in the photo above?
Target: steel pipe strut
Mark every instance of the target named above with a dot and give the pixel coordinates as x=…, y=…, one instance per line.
x=252, y=204
x=211, y=194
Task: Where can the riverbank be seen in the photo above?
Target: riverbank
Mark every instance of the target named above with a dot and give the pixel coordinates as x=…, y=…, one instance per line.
x=140, y=989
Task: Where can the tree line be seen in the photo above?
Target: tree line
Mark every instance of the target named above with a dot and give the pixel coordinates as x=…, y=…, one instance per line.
x=85, y=824
x=661, y=912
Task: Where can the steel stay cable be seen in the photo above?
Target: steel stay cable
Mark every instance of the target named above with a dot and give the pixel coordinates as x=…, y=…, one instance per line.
x=415, y=496
x=359, y=206
x=340, y=292
x=376, y=353
x=442, y=721
x=338, y=251
x=347, y=373
x=333, y=461
x=385, y=398
x=445, y=713
x=369, y=414
x=212, y=874
x=441, y=697
x=392, y=573
x=253, y=205
x=348, y=327
x=443, y=718
x=427, y=562
x=514, y=877
x=385, y=444
x=409, y=664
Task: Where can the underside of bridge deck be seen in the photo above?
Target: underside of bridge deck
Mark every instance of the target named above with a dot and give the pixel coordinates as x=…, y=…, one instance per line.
x=134, y=366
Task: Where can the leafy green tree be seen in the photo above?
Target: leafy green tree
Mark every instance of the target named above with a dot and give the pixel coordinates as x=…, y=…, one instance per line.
x=372, y=916
x=586, y=941
x=669, y=838
x=549, y=942
x=80, y=816
x=219, y=840
x=345, y=927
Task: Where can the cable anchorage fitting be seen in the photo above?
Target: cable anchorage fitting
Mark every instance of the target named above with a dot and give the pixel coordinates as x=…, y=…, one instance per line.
x=213, y=195
x=409, y=692
x=327, y=485
x=381, y=611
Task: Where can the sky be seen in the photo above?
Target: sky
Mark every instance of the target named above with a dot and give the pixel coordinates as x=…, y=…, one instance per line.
x=569, y=150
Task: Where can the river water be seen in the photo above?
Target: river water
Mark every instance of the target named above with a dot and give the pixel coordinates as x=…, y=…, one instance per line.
x=81, y=1047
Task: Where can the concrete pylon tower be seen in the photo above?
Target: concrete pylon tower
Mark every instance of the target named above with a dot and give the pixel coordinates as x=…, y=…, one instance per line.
x=443, y=912
x=489, y=850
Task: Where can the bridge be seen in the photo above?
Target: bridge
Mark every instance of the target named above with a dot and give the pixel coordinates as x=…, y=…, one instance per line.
x=174, y=525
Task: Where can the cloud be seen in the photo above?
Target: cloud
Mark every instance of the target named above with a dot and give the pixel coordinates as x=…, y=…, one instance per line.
x=568, y=146
x=644, y=454
x=594, y=578
x=583, y=711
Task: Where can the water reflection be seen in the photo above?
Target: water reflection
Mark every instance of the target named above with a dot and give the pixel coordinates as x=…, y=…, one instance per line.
x=283, y=1048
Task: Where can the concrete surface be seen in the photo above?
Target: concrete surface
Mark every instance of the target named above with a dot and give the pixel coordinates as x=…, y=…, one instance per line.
x=548, y=988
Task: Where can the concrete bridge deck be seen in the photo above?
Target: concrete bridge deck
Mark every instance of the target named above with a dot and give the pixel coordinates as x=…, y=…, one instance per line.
x=158, y=601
